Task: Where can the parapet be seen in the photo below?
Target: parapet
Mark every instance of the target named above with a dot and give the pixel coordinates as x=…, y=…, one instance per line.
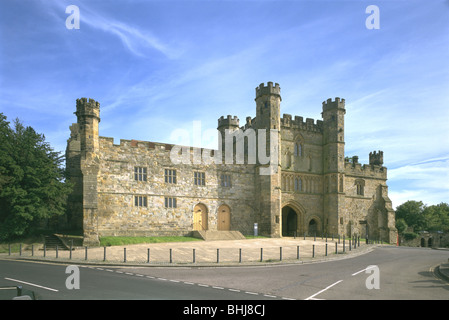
x=229, y=121
x=337, y=104
x=353, y=167
x=376, y=158
x=298, y=123
x=85, y=107
x=269, y=89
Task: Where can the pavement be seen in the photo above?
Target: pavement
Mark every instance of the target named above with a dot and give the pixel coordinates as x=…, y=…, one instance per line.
x=443, y=270
x=205, y=253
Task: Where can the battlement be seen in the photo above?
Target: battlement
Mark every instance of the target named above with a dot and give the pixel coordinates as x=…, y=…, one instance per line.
x=353, y=167
x=268, y=90
x=337, y=104
x=376, y=158
x=87, y=107
x=229, y=121
x=298, y=123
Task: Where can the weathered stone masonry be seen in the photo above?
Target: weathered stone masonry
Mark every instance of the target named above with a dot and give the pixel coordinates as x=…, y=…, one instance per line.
x=133, y=188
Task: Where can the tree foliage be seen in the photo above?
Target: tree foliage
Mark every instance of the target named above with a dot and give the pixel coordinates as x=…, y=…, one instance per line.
x=421, y=217
x=32, y=184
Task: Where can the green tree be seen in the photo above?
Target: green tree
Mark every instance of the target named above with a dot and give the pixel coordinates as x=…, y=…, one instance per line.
x=401, y=225
x=413, y=214
x=437, y=217
x=32, y=184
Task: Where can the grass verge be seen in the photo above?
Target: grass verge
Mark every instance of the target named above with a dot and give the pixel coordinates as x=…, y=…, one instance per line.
x=120, y=241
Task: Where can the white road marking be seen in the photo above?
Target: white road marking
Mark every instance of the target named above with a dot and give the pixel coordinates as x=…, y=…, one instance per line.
x=367, y=268
x=321, y=291
x=32, y=284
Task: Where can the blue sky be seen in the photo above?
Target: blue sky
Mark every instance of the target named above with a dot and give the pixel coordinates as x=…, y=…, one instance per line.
x=158, y=66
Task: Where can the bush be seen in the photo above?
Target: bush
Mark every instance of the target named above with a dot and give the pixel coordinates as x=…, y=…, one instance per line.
x=410, y=235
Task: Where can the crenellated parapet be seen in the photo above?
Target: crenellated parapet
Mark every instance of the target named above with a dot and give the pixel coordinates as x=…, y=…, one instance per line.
x=229, y=121
x=354, y=168
x=87, y=107
x=299, y=123
x=336, y=104
x=269, y=89
x=376, y=158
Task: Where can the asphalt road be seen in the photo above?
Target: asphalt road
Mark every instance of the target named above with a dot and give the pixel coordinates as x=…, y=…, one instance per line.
x=403, y=273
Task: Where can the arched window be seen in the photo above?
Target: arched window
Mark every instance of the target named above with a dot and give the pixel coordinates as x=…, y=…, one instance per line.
x=298, y=149
x=360, y=186
x=298, y=184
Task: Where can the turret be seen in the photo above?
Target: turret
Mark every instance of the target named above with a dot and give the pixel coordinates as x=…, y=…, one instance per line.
x=268, y=181
x=268, y=104
x=88, y=114
x=333, y=163
x=376, y=159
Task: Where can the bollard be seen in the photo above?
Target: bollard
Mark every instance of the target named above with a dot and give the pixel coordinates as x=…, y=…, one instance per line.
x=350, y=243
x=20, y=249
x=148, y=255
x=261, y=254
x=32, y=250
x=124, y=254
x=171, y=255
x=240, y=255
x=193, y=256
x=218, y=255
x=280, y=253
x=326, y=251
x=336, y=248
x=104, y=253
x=85, y=253
x=297, y=252
x=344, y=248
x=313, y=251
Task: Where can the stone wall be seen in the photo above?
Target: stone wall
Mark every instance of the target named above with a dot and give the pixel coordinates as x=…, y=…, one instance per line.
x=117, y=188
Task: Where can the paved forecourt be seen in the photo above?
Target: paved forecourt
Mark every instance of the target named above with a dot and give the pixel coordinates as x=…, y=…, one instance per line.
x=225, y=252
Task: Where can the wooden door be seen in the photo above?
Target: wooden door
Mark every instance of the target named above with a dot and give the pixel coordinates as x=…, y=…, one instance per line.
x=224, y=218
x=200, y=217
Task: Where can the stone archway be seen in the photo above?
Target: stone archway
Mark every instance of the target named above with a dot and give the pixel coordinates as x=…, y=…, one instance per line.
x=290, y=219
x=313, y=227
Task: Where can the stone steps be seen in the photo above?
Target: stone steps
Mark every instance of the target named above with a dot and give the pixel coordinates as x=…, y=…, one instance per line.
x=210, y=235
x=52, y=241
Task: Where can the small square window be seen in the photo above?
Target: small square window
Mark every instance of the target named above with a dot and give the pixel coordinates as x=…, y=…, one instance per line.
x=170, y=176
x=140, y=201
x=225, y=180
x=170, y=202
x=140, y=174
x=199, y=178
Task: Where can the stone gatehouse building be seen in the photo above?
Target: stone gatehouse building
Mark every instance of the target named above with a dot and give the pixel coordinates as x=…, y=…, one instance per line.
x=134, y=188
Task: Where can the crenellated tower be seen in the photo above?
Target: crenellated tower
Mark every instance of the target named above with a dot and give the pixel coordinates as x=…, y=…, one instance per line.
x=88, y=116
x=268, y=175
x=333, y=164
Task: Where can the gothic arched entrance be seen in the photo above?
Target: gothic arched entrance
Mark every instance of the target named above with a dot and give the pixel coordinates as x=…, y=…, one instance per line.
x=289, y=221
x=313, y=227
